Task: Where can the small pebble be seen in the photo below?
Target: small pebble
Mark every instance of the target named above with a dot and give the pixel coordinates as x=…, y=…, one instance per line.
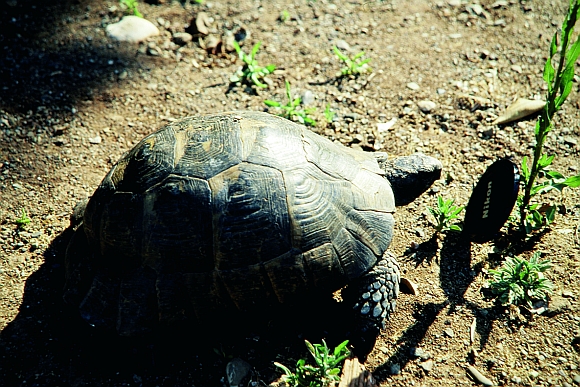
x=342, y=44
x=417, y=352
x=427, y=365
x=413, y=86
x=182, y=38
x=236, y=371
x=533, y=374
x=132, y=29
x=576, y=378
x=426, y=106
x=307, y=98
x=95, y=140
x=449, y=332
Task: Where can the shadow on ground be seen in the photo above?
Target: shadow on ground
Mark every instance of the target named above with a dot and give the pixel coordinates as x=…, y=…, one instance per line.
x=41, y=73
x=456, y=275
x=47, y=344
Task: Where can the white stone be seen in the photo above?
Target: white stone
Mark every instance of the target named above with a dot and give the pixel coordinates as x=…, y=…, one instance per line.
x=132, y=29
x=413, y=86
x=426, y=106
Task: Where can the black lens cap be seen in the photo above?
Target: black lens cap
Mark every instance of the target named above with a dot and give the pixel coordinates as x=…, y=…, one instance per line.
x=492, y=201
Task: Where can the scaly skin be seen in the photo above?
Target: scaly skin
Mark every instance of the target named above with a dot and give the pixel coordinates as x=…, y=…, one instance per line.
x=378, y=291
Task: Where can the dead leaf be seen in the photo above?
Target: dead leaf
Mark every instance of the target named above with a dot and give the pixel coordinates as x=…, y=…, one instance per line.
x=409, y=286
x=519, y=109
x=355, y=374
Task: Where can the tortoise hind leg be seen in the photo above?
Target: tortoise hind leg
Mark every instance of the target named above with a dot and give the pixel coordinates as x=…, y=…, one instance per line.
x=377, y=292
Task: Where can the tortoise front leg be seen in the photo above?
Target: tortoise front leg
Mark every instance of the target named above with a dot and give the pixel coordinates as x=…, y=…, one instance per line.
x=377, y=294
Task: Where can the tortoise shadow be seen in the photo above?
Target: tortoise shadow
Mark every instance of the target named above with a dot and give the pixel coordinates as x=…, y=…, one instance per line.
x=47, y=343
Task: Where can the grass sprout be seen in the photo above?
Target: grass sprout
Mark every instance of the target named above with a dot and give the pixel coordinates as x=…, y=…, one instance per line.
x=251, y=71
x=328, y=114
x=131, y=7
x=354, y=66
x=23, y=220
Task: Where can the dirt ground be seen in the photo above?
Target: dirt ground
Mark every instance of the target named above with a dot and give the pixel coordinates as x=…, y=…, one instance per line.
x=72, y=101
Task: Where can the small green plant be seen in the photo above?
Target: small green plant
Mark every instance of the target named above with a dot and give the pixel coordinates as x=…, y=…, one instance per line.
x=444, y=214
x=290, y=110
x=284, y=16
x=23, y=220
x=328, y=114
x=131, y=7
x=325, y=371
x=519, y=281
x=251, y=71
x=534, y=216
x=354, y=66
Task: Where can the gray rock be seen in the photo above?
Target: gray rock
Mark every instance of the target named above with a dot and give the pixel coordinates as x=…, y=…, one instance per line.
x=132, y=29
x=426, y=106
x=449, y=332
x=395, y=369
x=236, y=371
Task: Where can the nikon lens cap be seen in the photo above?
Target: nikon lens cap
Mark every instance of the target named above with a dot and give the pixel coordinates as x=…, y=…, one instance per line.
x=492, y=201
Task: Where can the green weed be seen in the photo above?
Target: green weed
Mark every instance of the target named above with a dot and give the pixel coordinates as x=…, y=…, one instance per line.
x=328, y=114
x=519, y=281
x=284, y=16
x=534, y=216
x=290, y=110
x=251, y=70
x=23, y=220
x=444, y=214
x=326, y=370
x=354, y=66
x=131, y=7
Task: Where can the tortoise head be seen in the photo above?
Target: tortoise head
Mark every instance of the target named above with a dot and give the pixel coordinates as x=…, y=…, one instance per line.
x=410, y=176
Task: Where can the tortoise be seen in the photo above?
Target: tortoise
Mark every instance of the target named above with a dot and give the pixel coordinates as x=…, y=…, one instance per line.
x=239, y=210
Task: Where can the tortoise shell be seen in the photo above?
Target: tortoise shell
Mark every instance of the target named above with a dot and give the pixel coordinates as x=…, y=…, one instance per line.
x=237, y=209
